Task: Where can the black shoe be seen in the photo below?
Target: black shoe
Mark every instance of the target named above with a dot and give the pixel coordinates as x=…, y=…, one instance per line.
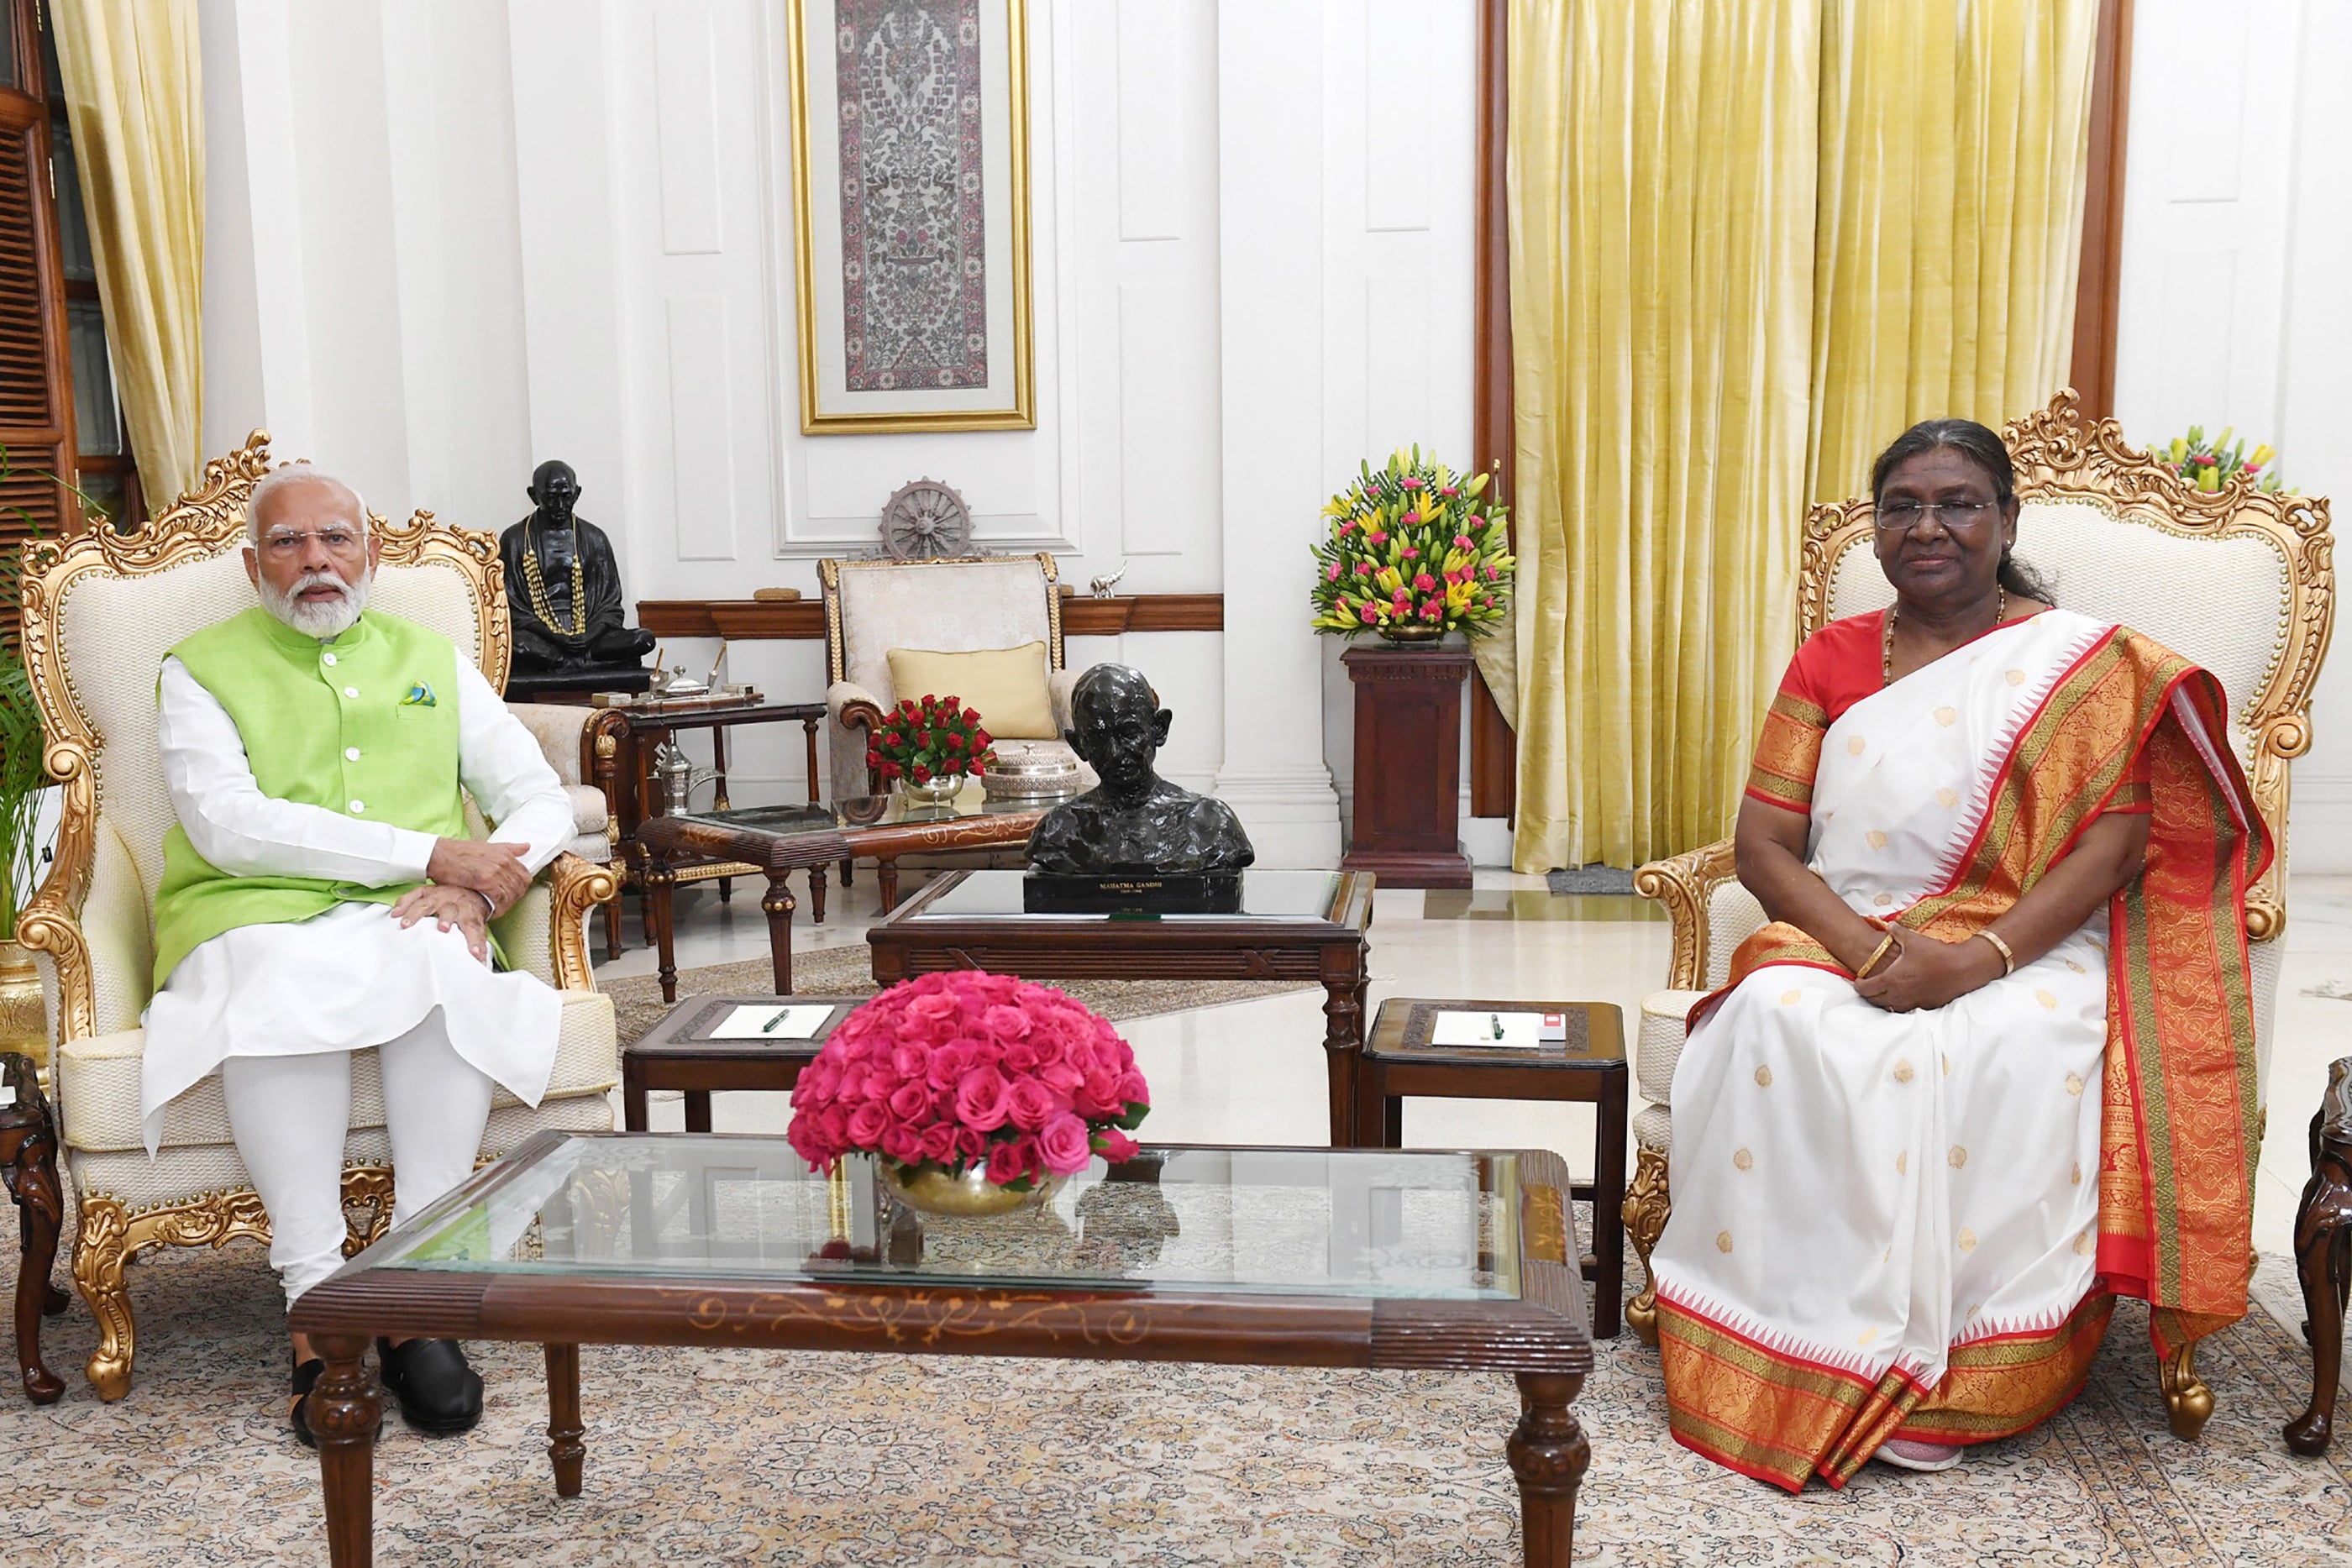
x=439, y=1395
x=305, y=1378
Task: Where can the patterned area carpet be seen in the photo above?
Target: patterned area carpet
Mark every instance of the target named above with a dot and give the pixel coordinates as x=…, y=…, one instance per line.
x=849, y=971
x=1596, y=878
x=749, y=1458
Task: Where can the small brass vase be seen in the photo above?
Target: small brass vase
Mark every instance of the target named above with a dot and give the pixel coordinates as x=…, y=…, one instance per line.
x=967, y=1196
x=24, y=1022
x=1419, y=632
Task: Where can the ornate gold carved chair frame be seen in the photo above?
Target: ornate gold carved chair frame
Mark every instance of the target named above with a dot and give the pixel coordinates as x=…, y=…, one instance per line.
x=2059, y=459
x=546, y=930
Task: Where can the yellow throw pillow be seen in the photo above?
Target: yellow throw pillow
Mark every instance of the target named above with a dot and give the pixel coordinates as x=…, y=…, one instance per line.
x=1006, y=686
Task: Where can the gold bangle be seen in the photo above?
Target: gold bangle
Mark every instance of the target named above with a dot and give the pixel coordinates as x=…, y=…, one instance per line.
x=2007, y=958
x=1875, y=955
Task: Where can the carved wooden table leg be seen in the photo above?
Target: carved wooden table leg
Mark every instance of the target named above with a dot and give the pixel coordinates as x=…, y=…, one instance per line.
x=885, y=877
x=779, y=903
x=344, y=1409
x=564, y=1431
x=661, y=901
x=1343, y=1043
x=1608, y=1207
x=816, y=873
x=1548, y=1454
x=28, y=1161
x=2323, y=1253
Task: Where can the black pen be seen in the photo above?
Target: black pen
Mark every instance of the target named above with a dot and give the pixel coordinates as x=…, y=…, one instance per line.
x=770, y=1027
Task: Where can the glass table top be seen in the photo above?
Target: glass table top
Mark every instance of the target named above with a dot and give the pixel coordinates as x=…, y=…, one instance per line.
x=1265, y=895
x=865, y=811
x=1351, y=1222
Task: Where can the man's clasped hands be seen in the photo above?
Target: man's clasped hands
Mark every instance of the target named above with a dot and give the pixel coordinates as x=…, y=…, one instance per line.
x=472, y=882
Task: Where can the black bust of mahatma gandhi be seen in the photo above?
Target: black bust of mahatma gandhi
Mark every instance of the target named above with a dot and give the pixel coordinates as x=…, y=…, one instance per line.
x=1135, y=821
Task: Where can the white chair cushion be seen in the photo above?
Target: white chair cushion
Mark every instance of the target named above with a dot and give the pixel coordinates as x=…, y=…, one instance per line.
x=99, y=1083
x=944, y=606
x=118, y=922
x=1733, y=915
x=589, y=810
x=178, y=1174
x=1654, y=1128
x=1658, y=1041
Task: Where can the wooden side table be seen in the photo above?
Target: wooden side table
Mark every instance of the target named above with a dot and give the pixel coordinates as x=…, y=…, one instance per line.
x=1408, y=812
x=2323, y=1253
x=29, y=1163
x=1589, y=1066
x=678, y=1053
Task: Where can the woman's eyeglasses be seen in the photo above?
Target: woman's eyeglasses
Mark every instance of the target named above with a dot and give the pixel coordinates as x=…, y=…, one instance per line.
x=1901, y=516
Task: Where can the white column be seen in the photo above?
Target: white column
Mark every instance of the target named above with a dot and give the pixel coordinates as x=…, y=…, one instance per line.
x=1270, y=276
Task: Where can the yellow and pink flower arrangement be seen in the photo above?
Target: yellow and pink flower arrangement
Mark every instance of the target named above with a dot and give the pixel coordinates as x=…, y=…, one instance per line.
x=1415, y=550
x=969, y=1071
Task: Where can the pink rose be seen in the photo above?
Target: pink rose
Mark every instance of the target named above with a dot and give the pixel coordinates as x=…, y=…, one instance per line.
x=911, y=1059
x=1019, y=1056
x=912, y=1101
x=1004, y=1162
x=938, y=1143
x=1131, y=1089
x=1363, y=568
x=819, y=1082
x=1424, y=583
x=1006, y=1023
x=1116, y=1145
x=1032, y=1105
x=1433, y=610
x=1412, y=553
x=1369, y=615
x=1063, y=1143
x=935, y=1008
x=1410, y=518
x=902, y=1143
x=1461, y=542
x=981, y=1100
x=970, y=1143
x=1331, y=572
x=866, y=1125
x=1378, y=537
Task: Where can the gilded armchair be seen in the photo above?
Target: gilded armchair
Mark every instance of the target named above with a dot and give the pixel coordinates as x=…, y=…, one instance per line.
x=100, y=612
x=2239, y=581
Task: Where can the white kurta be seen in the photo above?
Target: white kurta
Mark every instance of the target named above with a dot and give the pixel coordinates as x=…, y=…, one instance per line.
x=353, y=976
x=1866, y=1189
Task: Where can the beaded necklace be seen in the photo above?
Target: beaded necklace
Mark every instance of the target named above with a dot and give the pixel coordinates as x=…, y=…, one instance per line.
x=1886, y=645
x=538, y=589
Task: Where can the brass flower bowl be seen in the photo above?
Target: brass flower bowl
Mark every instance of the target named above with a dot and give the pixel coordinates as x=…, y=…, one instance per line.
x=969, y=1195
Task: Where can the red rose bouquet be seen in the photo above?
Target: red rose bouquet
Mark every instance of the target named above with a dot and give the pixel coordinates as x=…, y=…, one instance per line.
x=971, y=1070
x=937, y=737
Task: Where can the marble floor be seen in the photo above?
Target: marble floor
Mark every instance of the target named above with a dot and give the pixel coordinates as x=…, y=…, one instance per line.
x=1252, y=1073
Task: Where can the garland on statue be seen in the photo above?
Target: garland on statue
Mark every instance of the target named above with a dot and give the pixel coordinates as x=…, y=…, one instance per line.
x=537, y=587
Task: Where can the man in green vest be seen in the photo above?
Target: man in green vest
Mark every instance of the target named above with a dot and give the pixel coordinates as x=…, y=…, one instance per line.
x=320, y=896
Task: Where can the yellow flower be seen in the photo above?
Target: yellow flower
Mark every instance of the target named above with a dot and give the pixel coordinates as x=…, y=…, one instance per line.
x=2179, y=450
x=2263, y=454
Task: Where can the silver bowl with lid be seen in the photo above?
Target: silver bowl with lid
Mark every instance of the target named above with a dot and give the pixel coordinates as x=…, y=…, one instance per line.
x=1026, y=775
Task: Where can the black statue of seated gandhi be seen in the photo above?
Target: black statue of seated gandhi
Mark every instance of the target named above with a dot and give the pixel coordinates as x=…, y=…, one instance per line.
x=563, y=587
x=1135, y=821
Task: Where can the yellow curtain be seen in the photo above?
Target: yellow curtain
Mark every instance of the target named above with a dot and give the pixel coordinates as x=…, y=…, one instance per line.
x=1951, y=220
x=1661, y=185
x=1750, y=241
x=134, y=99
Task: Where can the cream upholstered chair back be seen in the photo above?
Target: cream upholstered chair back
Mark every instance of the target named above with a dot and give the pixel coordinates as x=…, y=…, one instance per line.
x=100, y=612
x=2239, y=581
x=945, y=606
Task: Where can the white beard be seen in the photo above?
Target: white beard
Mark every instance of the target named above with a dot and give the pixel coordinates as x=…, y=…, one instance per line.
x=323, y=619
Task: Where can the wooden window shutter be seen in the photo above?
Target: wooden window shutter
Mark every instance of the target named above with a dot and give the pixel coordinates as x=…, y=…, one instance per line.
x=36, y=376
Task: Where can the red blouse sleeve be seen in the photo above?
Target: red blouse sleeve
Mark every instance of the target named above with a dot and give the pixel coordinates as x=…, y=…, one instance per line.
x=1790, y=747
x=1838, y=667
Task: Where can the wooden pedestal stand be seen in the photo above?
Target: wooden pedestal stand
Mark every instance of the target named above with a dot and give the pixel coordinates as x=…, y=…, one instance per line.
x=1409, y=765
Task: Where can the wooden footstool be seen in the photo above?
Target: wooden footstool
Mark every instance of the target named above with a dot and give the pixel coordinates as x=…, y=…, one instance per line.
x=678, y=1053
x=1399, y=1061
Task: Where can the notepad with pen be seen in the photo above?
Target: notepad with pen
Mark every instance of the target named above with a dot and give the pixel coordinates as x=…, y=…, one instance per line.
x=772, y=1022
x=1499, y=1030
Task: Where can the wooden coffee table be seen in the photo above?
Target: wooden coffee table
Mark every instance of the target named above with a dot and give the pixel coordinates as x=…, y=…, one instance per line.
x=777, y=840
x=1428, y=1261
x=679, y=1054
x=1294, y=925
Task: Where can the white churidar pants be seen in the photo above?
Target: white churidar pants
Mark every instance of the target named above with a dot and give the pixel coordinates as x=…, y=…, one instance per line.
x=291, y=1115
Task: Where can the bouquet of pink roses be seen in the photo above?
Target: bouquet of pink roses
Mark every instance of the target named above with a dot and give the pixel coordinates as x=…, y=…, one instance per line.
x=957, y=1070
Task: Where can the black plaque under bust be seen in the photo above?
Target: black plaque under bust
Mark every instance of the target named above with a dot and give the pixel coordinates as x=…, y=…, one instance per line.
x=1132, y=892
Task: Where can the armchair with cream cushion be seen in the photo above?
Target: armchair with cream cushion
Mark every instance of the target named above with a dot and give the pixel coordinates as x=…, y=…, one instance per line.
x=100, y=611
x=959, y=606
x=2237, y=580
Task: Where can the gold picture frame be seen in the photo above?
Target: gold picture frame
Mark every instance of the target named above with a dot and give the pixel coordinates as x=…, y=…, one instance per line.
x=827, y=409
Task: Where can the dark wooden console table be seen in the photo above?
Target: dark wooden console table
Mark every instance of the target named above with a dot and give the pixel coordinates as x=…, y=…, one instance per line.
x=28, y=1160
x=1408, y=812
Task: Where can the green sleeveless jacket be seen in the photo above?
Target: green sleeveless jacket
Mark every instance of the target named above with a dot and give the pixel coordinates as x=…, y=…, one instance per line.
x=365, y=724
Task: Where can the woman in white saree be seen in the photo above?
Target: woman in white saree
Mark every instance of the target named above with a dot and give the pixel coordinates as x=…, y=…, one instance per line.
x=1910, y=1170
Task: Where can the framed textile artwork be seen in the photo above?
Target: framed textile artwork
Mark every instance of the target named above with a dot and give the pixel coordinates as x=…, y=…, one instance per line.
x=910, y=213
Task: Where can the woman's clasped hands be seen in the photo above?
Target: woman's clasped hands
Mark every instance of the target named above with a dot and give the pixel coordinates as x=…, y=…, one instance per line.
x=1924, y=971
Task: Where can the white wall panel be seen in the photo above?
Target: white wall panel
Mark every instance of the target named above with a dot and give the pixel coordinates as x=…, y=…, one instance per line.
x=1167, y=420
x=1398, y=371
x=701, y=429
x=1150, y=120
x=1398, y=87
x=686, y=121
